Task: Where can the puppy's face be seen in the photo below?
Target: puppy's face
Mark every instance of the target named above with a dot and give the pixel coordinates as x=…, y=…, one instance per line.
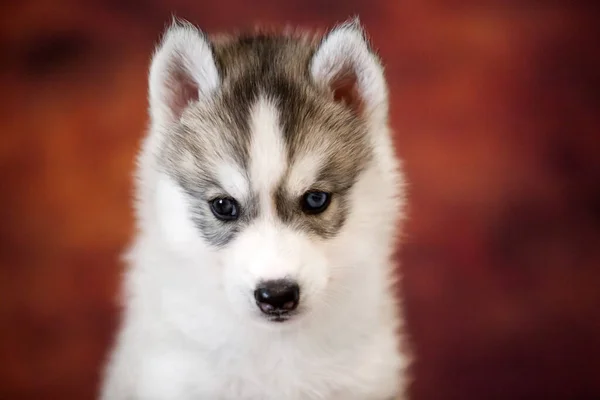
x=266, y=143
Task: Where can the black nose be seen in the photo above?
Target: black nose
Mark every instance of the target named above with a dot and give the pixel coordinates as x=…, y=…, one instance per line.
x=277, y=297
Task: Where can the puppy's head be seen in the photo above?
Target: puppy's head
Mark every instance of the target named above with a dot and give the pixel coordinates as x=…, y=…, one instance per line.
x=273, y=165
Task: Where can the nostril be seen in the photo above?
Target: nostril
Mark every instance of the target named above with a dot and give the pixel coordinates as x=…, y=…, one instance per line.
x=262, y=295
x=276, y=297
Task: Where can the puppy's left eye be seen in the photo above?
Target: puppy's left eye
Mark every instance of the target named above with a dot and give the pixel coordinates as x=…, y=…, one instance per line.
x=314, y=202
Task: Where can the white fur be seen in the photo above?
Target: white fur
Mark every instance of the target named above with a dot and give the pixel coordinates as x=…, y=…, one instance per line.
x=191, y=329
x=303, y=173
x=267, y=158
x=234, y=181
x=173, y=217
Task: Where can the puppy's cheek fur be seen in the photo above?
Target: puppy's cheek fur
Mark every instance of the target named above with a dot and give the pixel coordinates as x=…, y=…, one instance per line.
x=238, y=283
x=174, y=217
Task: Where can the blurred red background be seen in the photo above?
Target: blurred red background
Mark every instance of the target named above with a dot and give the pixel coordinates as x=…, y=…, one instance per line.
x=495, y=105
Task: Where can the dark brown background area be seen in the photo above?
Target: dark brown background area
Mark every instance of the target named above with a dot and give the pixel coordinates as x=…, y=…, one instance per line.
x=495, y=105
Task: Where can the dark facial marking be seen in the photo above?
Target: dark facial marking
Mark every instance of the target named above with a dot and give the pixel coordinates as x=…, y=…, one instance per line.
x=276, y=67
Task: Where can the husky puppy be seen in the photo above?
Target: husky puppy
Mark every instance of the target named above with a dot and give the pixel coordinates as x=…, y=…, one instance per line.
x=268, y=201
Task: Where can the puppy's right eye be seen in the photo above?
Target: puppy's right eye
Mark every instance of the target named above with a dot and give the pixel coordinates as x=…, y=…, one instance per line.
x=315, y=202
x=225, y=208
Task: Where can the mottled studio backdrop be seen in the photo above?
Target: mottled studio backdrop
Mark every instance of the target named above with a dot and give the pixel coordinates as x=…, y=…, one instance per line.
x=495, y=105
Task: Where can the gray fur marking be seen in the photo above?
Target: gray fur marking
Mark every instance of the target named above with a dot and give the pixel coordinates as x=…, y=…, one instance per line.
x=217, y=131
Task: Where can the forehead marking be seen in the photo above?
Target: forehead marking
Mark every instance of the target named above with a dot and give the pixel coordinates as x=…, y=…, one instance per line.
x=233, y=180
x=268, y=156
x=303, y=173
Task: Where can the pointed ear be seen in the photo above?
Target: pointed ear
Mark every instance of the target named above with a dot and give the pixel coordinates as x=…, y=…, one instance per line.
x=183, y=70
x=350, y=70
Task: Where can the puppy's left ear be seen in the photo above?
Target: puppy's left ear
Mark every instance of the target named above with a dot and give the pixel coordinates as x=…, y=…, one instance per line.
x=347, y=67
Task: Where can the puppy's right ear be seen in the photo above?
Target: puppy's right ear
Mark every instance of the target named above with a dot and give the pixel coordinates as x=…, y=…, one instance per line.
x=183, y=70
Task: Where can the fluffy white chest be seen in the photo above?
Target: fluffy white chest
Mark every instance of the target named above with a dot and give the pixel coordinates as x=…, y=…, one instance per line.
x=282, y=369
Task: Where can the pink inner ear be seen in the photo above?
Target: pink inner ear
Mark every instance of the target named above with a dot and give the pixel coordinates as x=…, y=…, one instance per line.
x=183, y=90
x=345, y=90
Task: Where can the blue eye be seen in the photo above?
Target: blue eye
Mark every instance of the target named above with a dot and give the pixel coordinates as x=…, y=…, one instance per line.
x=224, y=208
x=314, y=202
